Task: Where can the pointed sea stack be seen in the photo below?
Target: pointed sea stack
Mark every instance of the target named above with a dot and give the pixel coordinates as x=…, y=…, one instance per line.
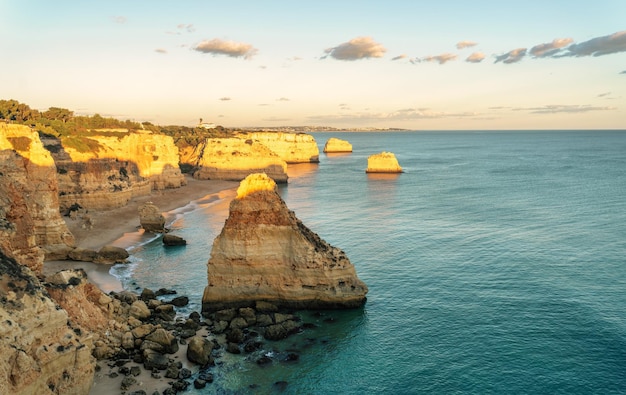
x=265, y=253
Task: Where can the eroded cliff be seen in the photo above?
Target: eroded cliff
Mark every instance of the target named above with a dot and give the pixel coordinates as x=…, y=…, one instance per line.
x=265, y=253
x=290, y=147
x=31, y=227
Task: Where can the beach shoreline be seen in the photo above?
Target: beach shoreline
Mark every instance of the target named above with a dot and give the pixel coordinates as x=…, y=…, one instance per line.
x=113, y=227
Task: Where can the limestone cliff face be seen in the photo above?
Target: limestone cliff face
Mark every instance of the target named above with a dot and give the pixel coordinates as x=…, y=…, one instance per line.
x=117, y=169
x=42, y=353
x=384, y=162
x=31, y=227
x=264, y=253
x=335, y=145
x=234, y=159
x=291, y=147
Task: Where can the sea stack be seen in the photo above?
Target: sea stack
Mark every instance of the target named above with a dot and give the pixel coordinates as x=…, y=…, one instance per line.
x=384, y=162
x=335, y=145
x=264, y=253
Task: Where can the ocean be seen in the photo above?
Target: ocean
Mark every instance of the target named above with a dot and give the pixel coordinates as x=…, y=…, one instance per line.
x=496, y=263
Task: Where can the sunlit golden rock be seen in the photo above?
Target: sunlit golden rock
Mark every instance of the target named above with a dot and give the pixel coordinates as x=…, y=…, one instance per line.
x=290, y=147
x=31, y=226
x=335, y=145
x=385, y=162
x=265, y=253
x=234, y=159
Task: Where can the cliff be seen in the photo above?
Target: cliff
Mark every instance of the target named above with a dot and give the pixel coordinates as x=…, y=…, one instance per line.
x=335, y=145
x=106, y=171
x=234, y=159
x=42, y=352
x=291, y=147
x=264, y=253
x=31, y=227
x=384, y=162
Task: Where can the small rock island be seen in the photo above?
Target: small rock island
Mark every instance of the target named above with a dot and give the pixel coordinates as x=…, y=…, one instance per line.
x=384, y=162
x=334, y=145
x=265, y=254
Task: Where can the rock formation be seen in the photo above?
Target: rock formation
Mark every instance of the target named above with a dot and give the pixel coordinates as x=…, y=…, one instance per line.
x=335, y=145
x=151, y=219
x=384, y=162
x=31, y=227
x=234, y=159
x=106, y=171
x=264, y=253
x=42, y=351
x=291, y=147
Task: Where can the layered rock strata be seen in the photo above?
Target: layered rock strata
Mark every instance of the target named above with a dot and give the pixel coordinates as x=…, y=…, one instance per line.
x=42, y=351
x=234, y=159
x=335, y=145
x=264, y=253
x=31, y=227
x=290, y=147
x=384, y=162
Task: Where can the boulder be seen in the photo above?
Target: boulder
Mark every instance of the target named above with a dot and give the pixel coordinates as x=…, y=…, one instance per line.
x=384, y=162
x=172, y=240
x=199, y=350
x=82, y=255
x=335, y=145
x=265, y=253
x=165, y=339
x=111, y=254
x=151, y=219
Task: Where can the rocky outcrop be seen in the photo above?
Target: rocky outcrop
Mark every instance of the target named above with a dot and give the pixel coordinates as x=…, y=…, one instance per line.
x=290, y=147
x=384, y=162
x=335, y=145
x=151, y=219
x=264, y=253
x=234, y=159
x=43, y=352
x=106, y=171
x=172, y=241
x=31, y=227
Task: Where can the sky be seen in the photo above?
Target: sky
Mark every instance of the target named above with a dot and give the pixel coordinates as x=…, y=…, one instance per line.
x=412, y=64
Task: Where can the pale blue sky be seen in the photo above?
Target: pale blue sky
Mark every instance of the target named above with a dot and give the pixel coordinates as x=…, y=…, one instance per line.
x=337, y=63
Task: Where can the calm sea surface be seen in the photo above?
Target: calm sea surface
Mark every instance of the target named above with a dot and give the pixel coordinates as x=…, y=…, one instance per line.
x=496, y=264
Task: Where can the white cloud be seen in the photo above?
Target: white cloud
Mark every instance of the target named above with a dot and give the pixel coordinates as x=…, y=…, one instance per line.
x=119, y=19
x=512, y=56
x=599, y=46
x=465, y=44
x=442, y=59
x=550, y=49
x=475, y=57
x=355, y=49
x=187, y=27
x=228, y=48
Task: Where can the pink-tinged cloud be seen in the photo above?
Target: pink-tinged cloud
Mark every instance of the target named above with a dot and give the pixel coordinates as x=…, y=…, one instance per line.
x=550, y=49
x=441, y=59
x=356, y=49
x=599, y=46
x=512, y=56
x=225, y=99
x=475, y=57
x=399, y=57
x=160, y=50
x=465, y=44
x=228, y=48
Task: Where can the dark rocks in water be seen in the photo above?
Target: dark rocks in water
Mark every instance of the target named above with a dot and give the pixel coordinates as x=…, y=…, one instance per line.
x=282, y=330
x=147, y=294
x=199, y=384
x=292, y=357
x=165, y=291
x=264, y=360
x=180, y=301
x=184, y=373
x=233, y=348
x=280, y=386
x=172, y=240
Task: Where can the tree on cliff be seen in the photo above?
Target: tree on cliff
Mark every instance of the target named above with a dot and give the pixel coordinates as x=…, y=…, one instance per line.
x=58, y=114
x=12, y=110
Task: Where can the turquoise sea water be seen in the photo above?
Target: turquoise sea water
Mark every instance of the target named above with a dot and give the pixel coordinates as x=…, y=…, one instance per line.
x=496, y=264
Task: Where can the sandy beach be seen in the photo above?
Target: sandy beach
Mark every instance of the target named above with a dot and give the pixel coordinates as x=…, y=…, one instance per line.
x=110, y=226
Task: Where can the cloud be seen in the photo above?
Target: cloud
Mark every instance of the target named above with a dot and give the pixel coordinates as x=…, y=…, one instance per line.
x=405, y=114
x=475, y=57
x=188, y=27
x=355, y=49
x=282, y=99
x=512, y=56
x=225, y=98
x=399, y=57
x=550, y=49
x=228, y=48
x=563, y=108
x=623, y=72
x=605, y=94
x=442, y=59
x=465, y=44
x=599, y=46
x=160, y=50
x=119, y=19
